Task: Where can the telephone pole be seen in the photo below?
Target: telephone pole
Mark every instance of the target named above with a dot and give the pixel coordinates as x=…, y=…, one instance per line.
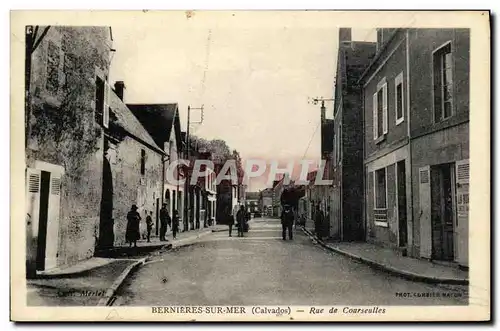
x=188, y=211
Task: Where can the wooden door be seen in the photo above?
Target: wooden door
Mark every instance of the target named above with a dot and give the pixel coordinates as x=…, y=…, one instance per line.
x=52, y=242
x=33, y=182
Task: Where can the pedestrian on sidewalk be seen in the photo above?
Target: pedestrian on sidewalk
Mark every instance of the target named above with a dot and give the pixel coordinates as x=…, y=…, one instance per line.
x=175, y=224
x=133, y=219
x=318, y=220
x=287, y=219
x=164, y=221
x=240, y=220
x=230, y=220
x=149, y=224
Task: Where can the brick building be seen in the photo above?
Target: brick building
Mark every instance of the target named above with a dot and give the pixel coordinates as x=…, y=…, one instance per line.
x=346, y=212
x=416, y=142
x=64, y=142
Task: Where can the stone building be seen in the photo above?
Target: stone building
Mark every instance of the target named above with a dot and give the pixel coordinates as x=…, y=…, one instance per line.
x=64, y=142
x=386, y=145
x=439, y=131
x=346, y=210
x=416, y=100
x=162, y=122
x=132, y=170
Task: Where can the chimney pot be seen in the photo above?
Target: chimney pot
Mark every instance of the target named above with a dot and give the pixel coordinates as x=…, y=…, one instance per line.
x=119, y=88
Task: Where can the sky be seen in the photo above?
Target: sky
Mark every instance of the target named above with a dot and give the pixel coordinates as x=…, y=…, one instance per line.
x=254, y=73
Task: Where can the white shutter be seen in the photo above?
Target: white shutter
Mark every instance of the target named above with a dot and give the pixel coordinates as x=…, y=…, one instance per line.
x=424, y=213
x=462, y=221
x=105, y=110
x=32, y=203
x=384, y=100
x=375, y=117
x=52, y=242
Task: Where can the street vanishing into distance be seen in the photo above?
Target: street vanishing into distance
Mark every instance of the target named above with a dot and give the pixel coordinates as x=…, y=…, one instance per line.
x=263, y=269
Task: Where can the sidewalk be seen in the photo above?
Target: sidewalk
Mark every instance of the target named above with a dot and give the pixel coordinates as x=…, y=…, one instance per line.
x=94, y=281
x=390, y=261
x=90, y=282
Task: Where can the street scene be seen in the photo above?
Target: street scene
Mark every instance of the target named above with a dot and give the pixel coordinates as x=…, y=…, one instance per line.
x=228, y=165
x=261, y=268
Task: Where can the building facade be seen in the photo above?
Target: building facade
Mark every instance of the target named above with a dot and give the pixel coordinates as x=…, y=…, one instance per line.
x=439, y=131
x=266, y=201
x=386, y=143
x=162, y=122
x=132, y=171
x=416, y=95
x=64, y=142
x=346, y=210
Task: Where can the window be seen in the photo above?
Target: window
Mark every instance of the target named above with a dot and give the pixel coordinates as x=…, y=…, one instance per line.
x=443, y=83
x=399, y=102
x=380, y=189
x=143, y=162
x=380, y=110
x=53, y=61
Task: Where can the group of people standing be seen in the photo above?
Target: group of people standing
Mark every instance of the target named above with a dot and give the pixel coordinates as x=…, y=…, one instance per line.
x=240, y=217
x=132, y=233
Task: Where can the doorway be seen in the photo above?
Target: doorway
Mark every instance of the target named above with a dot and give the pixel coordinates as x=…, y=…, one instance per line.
x=43, y=220
x=401, y=189
x=106, y=227
x=442, y=211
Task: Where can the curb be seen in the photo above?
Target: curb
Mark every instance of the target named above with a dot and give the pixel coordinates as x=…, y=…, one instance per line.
x=377, y=265
x=109, y=298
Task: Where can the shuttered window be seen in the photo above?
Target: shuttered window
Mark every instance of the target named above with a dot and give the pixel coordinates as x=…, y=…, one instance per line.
x=55, y=186
x=380, y=125
x=34, y=183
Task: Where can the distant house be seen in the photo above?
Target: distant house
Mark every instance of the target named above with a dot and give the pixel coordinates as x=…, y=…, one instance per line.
x=252, y=202
x=266, y=201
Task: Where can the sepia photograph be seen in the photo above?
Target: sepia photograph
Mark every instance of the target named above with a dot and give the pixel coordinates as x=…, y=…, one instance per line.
x=250, y=165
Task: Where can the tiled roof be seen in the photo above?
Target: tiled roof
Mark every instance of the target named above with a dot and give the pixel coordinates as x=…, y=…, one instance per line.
x=126, y=120
x=157, y=119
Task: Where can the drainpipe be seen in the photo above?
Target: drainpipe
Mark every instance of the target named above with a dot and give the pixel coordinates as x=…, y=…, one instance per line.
x=409, y=240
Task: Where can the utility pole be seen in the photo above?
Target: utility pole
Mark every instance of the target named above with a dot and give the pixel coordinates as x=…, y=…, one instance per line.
x=187, y=186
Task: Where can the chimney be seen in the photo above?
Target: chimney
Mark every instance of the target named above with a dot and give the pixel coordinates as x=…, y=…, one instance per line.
x=323, y=111
x=119, y=89
x=344, y=34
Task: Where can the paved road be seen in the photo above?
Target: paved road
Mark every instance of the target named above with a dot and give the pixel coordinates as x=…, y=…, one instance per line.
x=262, y=269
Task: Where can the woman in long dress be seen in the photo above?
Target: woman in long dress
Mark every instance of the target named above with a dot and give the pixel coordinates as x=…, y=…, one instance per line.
x=133, y=219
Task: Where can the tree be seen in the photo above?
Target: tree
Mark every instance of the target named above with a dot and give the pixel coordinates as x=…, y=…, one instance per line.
x=220, y=153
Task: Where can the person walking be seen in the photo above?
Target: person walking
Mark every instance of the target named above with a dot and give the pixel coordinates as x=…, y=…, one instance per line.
x=164, y=221
x=133, y=219
x=318, y=221
x=287, y=219
x=149, y=225
x=175, y=224
x=240, y=220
